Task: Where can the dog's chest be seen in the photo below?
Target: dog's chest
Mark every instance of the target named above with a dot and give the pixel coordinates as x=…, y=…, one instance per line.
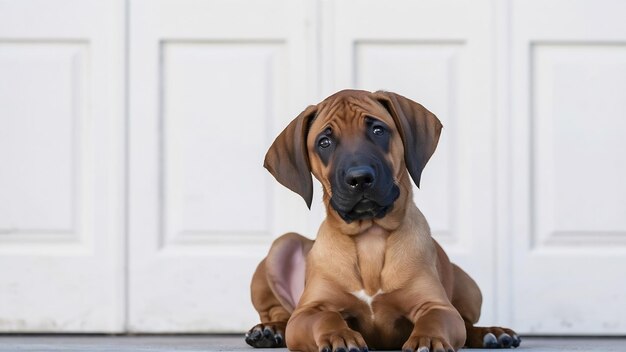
x=371, y=247
x=378, y=319
x=364, y=297
x=374, y=311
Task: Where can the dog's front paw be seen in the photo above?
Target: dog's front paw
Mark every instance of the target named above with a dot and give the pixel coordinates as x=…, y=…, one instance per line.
x=266, y=335
x=417, y=343
x=344, y=340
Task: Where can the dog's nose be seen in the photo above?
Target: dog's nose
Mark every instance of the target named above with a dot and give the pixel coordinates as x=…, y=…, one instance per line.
x=360, y=177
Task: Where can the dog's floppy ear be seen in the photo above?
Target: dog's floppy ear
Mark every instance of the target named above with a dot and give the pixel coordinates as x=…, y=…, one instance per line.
x=418, y=127
x=288, y=160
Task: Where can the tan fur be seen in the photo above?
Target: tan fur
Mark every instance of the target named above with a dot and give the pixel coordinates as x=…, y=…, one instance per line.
x=418, y=297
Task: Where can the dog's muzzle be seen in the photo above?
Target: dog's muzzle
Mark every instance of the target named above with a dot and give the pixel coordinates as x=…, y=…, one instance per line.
x=360, y=193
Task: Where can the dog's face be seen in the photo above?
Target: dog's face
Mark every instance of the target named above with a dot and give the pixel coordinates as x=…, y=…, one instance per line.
x=350, y=144
x=359, y=145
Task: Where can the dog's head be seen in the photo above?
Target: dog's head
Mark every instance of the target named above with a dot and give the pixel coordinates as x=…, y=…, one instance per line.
x=359, y=145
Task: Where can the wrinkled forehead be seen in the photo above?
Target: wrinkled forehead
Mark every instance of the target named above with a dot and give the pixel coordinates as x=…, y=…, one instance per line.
x=343, y=114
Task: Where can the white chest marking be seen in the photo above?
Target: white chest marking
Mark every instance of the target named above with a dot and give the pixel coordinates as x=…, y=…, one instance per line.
x=367, y=298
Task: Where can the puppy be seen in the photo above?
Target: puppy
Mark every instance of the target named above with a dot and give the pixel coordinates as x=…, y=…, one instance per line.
x=374, y=277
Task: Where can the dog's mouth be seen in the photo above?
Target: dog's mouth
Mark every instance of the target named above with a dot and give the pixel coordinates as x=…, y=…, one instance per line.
x=366, y=208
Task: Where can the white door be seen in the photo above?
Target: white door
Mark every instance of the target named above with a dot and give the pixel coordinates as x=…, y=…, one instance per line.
x=61, y=166
x=569, y=166
x=525, y=191
x=211, y=84
x=438, y=53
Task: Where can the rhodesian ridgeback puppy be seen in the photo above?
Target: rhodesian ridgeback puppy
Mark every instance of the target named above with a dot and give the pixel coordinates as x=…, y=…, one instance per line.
x=374, y=277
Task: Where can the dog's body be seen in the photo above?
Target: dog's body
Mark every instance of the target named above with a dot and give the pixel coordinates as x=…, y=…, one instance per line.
x=374, y=275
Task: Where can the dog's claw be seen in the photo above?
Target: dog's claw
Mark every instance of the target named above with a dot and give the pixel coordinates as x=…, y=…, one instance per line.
x=278, y=338
x=505, y=340
x=490, y=341
x=516, y=341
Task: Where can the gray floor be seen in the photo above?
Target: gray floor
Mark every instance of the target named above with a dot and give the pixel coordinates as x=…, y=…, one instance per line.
x=236, y=343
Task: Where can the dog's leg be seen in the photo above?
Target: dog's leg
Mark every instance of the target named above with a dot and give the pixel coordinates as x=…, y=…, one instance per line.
x=466, y=296
x=276, y=288
x=467, y=299
x=438, y=328
x=312, y=329
x=271, y=331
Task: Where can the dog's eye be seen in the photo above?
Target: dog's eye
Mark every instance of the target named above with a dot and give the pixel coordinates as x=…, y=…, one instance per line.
x=378, y=130
x=324, y=142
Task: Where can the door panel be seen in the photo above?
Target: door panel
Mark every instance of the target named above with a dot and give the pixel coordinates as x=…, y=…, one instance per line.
x=61, y=183
x=440, y=55
x=209, y=96
x=569, y=202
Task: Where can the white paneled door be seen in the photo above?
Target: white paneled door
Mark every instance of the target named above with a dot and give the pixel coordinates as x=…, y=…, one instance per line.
x=61, y=166
x=132, y=137
x=569, y=167
x=212, y=84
